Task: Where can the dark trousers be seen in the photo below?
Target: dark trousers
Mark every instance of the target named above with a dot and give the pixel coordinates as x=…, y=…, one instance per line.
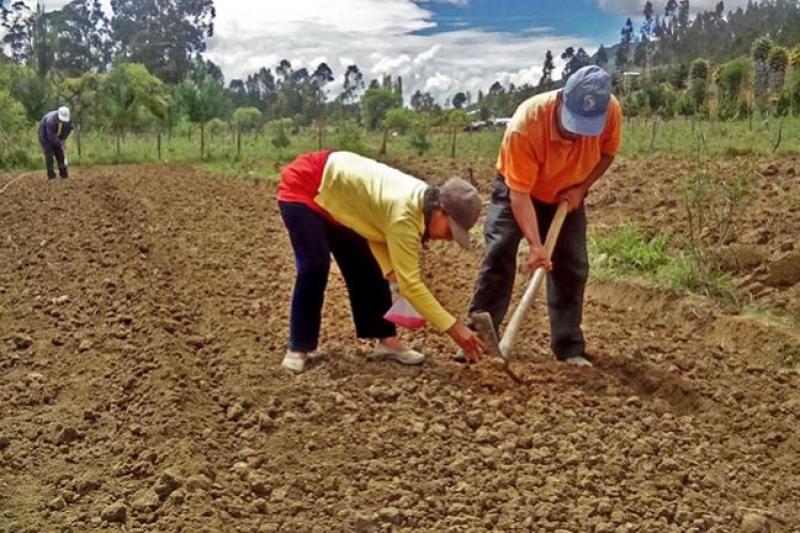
x=54, y=152
x=314, y=238
x=565, y=284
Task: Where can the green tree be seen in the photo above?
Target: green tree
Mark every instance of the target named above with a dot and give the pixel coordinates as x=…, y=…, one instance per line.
x=81, y=95
x=16, y=20
x=794, y=80
x=81, y=38
x=203, y=99
x=34, y=92
x=375, y=104
x=423, y=101
x=760, y=53
x=245, y=119
x=353, y=85
x=459, y=99
x=456, y=120
x=418, y=140
x=280, y=135
x=163, y=35
x=129, y=95
x=733, y=79
x=398, y=119
x=547, y=72
x=778, y=63
x=698, y=73
x=12, y=123
x=601, y=58
x=686, y=106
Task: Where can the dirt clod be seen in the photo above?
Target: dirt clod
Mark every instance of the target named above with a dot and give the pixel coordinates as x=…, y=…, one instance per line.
x=145, y=500
x=784, y=272
x=754, y=523
x=116, y=512
x=57, y=503
x=169, y=481
x=22, y=341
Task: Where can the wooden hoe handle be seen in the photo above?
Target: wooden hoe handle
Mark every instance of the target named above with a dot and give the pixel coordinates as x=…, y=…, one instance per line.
x=533, y=285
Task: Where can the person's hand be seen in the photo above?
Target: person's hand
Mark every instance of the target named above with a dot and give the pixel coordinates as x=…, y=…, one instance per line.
x=573, y=196
x=391, y=277
x=538, y=257
x=467, y=340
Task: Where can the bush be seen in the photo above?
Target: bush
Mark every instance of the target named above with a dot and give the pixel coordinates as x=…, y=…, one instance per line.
x=418, y=140
x=280, y=137
x=628, y=250
x=216, y=126
x=713, y=207
x=348, y=137
x=12, y=125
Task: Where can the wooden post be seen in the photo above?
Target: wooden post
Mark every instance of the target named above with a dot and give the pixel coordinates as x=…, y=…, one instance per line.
x=202, y=140
x=159, y=144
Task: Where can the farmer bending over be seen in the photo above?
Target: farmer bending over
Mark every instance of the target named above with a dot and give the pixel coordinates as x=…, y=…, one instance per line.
x=54, y=129
x=373, y=219
x=557, y=145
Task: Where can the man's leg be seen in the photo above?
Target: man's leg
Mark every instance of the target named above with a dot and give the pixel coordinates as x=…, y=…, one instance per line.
x=495, y=281
x=567, y=281
x=308, y=233
x=370, y=296
x=62, y=165
x=48, y=161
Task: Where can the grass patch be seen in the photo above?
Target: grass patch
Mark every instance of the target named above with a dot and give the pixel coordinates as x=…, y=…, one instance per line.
x=628, y=252
x=251, y=169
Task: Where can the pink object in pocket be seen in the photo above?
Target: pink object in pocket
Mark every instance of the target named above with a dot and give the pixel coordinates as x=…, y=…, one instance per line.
x=404, y=315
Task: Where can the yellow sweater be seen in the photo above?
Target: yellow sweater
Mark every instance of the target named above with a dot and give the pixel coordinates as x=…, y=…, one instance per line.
x=385, y=206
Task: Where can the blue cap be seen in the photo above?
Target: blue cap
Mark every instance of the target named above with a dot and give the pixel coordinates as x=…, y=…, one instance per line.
x=585, y=101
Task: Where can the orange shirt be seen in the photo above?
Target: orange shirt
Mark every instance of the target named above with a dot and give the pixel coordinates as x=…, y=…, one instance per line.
x=535, y=159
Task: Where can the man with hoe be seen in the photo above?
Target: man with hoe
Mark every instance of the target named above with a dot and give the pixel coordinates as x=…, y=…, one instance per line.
x=557, y=145
x=54, y=129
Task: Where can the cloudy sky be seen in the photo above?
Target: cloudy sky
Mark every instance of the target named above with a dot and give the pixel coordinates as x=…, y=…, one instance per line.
x=441, y=46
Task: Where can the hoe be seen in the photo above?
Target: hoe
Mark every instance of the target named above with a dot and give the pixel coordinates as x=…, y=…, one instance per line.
x=483, y=321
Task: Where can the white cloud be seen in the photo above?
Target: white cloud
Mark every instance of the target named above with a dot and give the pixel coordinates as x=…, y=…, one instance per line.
x=379, y=36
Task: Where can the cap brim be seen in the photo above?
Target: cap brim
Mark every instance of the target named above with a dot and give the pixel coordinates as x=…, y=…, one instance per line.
x=586, y=126
x=460, y=235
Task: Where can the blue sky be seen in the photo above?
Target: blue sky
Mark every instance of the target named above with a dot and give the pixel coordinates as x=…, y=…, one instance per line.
x=576, y=17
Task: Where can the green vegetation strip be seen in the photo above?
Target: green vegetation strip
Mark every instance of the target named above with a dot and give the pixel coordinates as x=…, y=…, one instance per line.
x=628, y=252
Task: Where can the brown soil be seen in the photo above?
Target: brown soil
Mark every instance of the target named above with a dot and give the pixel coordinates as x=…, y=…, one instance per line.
x=143, y=314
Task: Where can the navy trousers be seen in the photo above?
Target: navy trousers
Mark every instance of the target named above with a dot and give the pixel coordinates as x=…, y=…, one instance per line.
x=565, y=284
x=54, y=152
x=314, y=239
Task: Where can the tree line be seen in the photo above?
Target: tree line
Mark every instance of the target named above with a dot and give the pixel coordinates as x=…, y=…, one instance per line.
x=125, y=73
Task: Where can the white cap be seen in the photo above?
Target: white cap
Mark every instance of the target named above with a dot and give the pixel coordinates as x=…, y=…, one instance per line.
x=63, y=113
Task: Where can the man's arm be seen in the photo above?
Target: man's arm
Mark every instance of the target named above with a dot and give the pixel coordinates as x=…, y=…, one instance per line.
x=525, y=215
x=575, y=194
x=51, y=130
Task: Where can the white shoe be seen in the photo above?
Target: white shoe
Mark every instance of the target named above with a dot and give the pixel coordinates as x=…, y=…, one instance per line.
x=294, y=361
x=406, y=357
x=578, y=360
